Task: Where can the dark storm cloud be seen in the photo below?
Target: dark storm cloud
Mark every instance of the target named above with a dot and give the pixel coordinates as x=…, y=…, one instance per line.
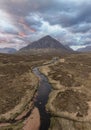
x=71, y=15
x=56, y=12
x=81, y=28
x=26, y=6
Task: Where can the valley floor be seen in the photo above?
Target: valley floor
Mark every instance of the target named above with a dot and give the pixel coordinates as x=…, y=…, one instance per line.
x=18, y=87
x=70, y=100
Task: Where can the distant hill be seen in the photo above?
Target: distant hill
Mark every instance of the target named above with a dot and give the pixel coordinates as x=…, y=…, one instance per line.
x=86, y=49
x=7, y=50
x=67, y=47
x=46, y=43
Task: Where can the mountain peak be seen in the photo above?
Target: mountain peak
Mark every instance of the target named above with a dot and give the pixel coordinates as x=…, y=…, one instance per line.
x=48, y=36
x=46, y=42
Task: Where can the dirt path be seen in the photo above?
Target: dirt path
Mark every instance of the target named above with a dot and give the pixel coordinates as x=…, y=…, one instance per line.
x=33, y=121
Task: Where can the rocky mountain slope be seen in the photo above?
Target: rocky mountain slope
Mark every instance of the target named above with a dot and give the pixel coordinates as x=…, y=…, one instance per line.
x=46, y=42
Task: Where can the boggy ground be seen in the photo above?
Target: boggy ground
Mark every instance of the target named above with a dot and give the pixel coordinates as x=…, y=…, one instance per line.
x=70, y=100
x=18, y=86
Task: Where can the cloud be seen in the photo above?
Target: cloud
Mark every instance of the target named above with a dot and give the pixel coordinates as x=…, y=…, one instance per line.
x=81, y=28
x=6, y=24
x=69, y=21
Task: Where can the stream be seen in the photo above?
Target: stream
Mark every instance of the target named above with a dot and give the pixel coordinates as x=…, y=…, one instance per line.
x=43, y=92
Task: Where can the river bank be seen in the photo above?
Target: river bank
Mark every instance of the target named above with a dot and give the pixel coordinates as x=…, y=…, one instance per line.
x=15, y=117
x=29, y=123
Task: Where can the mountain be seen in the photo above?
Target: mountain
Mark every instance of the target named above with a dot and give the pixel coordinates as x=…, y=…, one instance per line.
x=7, y=50
x=67, y=47
x=48, y=43
x=86, y=49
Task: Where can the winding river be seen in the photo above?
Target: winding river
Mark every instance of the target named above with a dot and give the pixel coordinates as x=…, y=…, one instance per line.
x=43, y=92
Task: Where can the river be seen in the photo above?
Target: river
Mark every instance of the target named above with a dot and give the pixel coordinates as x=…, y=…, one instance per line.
x=44, y=90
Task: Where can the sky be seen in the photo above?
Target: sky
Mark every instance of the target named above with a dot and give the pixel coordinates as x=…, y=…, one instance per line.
x=24, y=21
